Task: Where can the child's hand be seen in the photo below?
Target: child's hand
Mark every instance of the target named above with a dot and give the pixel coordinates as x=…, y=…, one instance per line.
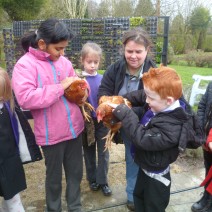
x=67, y=81
x=112, y=105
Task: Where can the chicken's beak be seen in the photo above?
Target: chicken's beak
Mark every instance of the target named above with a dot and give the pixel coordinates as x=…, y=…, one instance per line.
x=99, y=117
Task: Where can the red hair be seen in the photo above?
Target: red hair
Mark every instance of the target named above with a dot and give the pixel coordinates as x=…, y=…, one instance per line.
x=165, y=81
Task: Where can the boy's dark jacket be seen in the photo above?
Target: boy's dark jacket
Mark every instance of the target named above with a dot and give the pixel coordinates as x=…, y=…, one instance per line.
x=159, y=142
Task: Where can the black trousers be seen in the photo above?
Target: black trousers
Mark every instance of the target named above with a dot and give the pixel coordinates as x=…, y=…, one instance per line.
x=96, y=159
x=207, y=162
x=151, y=195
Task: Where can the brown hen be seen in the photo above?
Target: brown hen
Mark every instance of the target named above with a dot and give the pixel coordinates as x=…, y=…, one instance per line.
x=104, y=113
x=78, y=93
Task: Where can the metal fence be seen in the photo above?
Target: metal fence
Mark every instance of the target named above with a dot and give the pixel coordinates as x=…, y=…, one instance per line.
x=107, y=32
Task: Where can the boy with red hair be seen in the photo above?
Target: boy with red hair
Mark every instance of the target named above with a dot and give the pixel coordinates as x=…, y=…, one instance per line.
x=158, y=137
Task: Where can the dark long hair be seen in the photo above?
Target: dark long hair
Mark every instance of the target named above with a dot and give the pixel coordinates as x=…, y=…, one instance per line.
x=52, y=31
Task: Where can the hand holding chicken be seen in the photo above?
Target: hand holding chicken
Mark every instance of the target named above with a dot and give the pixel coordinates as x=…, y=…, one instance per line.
x=67, y=81
x=104, y=113
x=78, y=92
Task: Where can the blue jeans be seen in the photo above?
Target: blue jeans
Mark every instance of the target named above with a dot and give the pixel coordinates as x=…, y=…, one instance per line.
x=131, y=167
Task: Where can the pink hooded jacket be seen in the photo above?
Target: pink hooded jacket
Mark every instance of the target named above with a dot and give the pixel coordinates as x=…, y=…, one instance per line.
x=36, y=84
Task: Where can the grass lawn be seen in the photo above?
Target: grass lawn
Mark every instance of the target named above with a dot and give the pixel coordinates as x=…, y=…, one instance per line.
x=186, y=73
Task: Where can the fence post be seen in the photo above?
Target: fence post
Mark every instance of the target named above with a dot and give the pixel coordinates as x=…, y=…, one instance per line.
x=165, y=41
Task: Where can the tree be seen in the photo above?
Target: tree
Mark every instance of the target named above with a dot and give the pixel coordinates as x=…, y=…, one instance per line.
x=116, y=8
x=199, y=22
x=187, y=7
x=177, y=34
x=122, y=8
x=174, y=7
x=178, y=25
x=58, y=11
x=104, y=9
x=92, y=9
x=144, y=8
x=164, y=7
x=75, y=8
x=157, y=9
x=4, y=20
x=22, y=10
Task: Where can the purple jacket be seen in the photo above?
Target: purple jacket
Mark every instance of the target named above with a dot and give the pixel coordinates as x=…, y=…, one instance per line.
x=13, y=123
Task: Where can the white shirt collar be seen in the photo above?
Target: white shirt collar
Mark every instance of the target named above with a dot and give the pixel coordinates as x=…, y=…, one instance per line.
x=175, y=105
x=1, y=105
x=84, y=73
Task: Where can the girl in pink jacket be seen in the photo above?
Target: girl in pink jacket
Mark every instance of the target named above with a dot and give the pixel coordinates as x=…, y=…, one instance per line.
x=39, y=79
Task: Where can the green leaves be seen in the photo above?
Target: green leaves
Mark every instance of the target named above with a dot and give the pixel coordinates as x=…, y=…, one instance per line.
x=22, y=10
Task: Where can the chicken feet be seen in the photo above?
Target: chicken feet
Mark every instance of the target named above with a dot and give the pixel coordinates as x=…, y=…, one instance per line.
x=85, y=113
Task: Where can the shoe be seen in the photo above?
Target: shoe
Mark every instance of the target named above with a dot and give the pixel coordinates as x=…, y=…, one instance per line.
x=130, y=205
x=106, y=189
x=94, y=186
x=204, y=204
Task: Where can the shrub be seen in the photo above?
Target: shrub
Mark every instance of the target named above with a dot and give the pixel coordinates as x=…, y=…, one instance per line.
x=159, y=48
x=170, y=55
x=189, y=43
x=208, y=47
x=136, y=21
x=209, y=60
x=177, y=43
x=190, y=58
x=199, y=58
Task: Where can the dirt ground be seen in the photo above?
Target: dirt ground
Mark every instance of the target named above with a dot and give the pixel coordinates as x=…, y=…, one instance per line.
x=34, y=195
